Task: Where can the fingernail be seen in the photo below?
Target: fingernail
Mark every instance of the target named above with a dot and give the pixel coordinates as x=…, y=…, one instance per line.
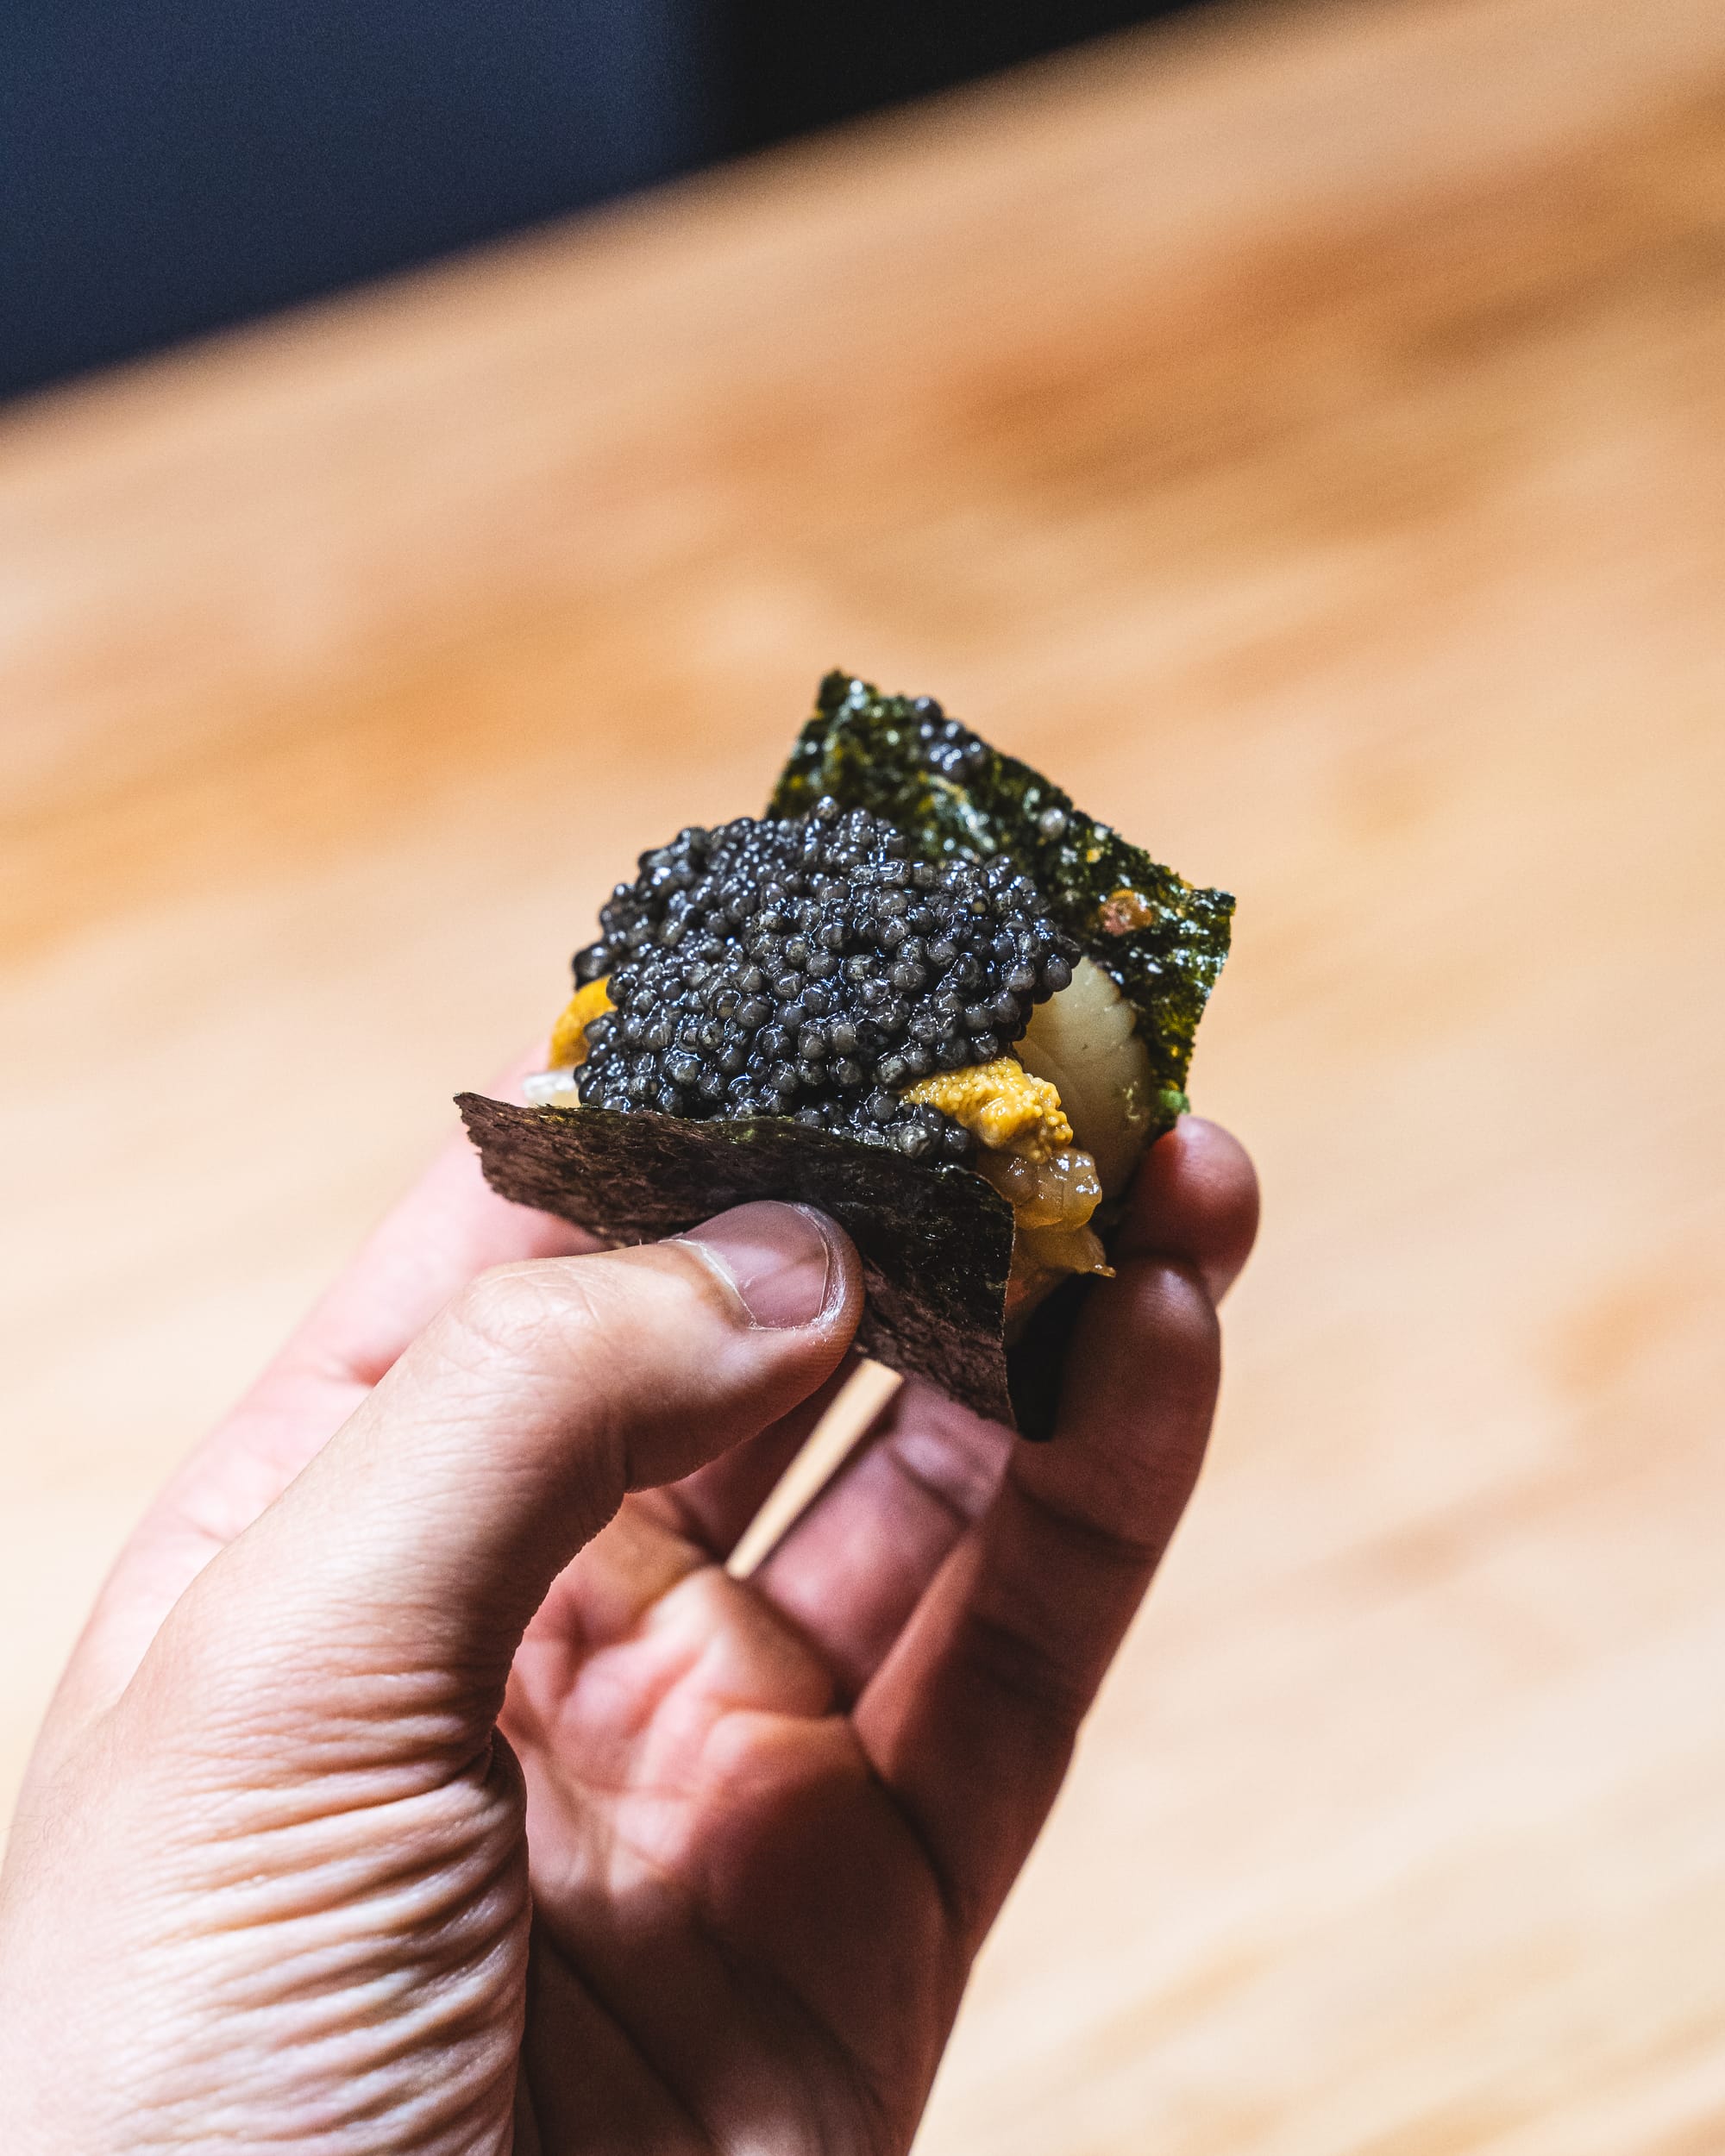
x=778, y=1257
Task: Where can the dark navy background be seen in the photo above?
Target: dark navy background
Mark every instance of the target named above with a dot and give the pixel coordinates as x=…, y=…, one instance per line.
x=170, y=166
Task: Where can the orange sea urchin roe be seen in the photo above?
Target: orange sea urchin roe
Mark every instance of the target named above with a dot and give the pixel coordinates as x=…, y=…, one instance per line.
x=1001, y=1104
x=569, y=1034
x=1026, y=1152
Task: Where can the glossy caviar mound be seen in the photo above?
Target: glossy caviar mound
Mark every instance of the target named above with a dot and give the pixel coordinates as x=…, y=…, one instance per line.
x=806, y=967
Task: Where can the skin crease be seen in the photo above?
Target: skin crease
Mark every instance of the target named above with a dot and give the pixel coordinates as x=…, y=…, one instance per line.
x=447, y=1589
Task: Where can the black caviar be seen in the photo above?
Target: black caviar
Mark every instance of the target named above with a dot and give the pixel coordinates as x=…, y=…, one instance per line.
x=809, y=969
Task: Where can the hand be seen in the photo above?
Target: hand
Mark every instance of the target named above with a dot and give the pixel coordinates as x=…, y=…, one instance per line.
x=423, y=1783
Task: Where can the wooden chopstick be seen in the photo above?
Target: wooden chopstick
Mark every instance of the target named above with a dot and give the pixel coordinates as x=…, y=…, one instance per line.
x=828, y=1445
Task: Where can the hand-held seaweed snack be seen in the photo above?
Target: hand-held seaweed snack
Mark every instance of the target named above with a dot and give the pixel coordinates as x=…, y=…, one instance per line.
x=923, y=991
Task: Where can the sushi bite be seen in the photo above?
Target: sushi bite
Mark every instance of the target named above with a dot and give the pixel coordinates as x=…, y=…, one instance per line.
x=922, y=970
x=808, y=967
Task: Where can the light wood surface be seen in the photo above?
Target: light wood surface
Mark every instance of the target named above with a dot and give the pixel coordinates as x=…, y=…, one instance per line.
x=1303, y=431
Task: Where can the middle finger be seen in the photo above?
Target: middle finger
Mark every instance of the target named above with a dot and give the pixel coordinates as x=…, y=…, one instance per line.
x=856, y=1564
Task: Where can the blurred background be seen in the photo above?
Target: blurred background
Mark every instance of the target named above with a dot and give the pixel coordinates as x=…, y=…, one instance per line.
x=1299, y=427
x=169, y=167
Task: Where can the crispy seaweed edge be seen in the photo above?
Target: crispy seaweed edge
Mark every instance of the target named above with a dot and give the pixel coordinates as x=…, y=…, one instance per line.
x=935, y=1244
x=1165, y=951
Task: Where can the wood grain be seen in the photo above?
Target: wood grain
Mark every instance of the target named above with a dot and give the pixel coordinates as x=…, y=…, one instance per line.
x=1303, y=431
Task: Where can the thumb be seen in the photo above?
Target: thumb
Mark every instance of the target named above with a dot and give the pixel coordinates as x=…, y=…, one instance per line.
x=424, y=1535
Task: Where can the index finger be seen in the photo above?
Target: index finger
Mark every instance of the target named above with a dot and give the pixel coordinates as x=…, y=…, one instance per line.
x=971, y=1719
x=861, y=1557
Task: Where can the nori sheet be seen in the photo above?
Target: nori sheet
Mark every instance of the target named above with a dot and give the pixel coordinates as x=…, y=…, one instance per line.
x=935, y=1243
x=1162, y=939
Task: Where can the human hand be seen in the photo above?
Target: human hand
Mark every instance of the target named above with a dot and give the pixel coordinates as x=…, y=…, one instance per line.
x=415, y=1789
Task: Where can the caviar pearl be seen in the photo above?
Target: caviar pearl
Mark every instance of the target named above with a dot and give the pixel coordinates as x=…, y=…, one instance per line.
x=811, y=968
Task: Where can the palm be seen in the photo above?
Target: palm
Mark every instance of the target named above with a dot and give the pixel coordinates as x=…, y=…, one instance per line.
x=738, y=1933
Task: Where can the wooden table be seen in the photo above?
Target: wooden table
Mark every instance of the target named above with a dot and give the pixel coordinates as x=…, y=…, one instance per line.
x=1303, y=430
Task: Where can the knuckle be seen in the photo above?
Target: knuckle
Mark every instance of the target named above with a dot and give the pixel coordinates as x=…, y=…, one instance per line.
x=1076, y=1535
x=520, y=1311
x=1015, y=1661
